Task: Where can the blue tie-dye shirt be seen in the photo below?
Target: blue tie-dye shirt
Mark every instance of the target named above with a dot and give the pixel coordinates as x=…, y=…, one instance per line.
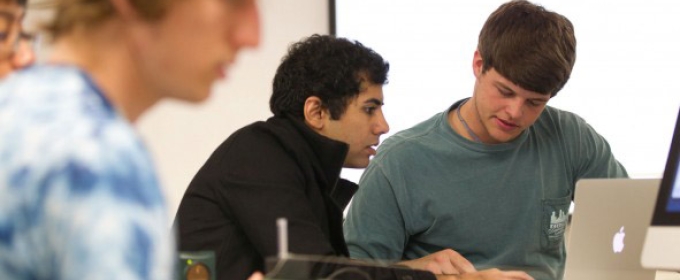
x=79, y=198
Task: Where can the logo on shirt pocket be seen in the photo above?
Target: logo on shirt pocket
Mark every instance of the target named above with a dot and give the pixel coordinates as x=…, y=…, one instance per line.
x=554, y=222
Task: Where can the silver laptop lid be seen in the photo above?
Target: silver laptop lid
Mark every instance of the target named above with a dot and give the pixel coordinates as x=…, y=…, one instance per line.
x=608, y=228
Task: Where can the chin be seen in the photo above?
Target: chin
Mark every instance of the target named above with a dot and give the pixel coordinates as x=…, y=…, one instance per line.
x=356, y=164
x=505, y=138
x=195, y=96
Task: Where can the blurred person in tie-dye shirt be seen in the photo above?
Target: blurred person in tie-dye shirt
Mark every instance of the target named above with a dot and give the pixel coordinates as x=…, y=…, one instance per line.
x=79, y=198
x=15, y=44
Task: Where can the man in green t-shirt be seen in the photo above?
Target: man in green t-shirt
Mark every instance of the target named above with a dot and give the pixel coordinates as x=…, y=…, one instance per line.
x=491, y=177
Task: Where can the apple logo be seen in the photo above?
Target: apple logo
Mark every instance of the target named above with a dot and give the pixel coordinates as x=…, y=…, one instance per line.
x=617, y=243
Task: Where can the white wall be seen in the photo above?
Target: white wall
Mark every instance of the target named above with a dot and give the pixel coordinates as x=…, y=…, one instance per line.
x=182, y=136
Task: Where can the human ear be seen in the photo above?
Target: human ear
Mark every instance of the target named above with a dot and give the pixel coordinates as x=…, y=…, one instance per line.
x=477, y=64
x=315, y=113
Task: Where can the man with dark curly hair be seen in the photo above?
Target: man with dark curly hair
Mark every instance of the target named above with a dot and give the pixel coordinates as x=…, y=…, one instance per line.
x=327, y=99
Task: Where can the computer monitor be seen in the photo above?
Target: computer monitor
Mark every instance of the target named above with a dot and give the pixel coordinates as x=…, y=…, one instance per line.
x=662, y=242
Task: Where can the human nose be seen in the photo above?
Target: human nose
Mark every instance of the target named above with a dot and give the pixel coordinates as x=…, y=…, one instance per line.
x=24, y=53
x=381, y=127
x=248, y=31
x=515, y=108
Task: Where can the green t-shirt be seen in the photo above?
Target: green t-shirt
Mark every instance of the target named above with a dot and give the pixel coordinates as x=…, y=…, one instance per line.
x=504, y=206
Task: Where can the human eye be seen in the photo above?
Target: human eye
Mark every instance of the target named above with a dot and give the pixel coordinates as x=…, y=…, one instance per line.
x=26, y=36
x=505, y=93
x=370, y=110
x=535, y=103
x=6, y=23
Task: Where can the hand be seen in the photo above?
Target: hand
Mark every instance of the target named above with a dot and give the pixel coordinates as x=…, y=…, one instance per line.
x=256, y=276
x=443, y=262
x=489, y=274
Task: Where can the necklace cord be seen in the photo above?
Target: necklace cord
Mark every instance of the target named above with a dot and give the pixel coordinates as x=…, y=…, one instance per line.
x=465, y=125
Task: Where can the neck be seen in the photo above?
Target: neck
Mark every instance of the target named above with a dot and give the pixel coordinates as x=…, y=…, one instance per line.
x=461, y=121
x=5, y=68
x=105, y=54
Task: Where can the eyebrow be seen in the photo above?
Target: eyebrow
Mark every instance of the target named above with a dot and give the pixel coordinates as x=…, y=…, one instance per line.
x=375, y=101
x=498, y=84
x=512, y=91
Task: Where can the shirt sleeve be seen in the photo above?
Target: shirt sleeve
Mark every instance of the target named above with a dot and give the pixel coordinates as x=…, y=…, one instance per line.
x=257, y=181
x=102, y=216
x=256, y=206
x=79, y=198
x=595, y=158
x=382, y=233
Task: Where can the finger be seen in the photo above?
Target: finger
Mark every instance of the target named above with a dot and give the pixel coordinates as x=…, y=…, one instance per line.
x=448, y=277
x=518, y=275
x=434, y=268
x=461, y=264
x=256, y=276
x=446, y=264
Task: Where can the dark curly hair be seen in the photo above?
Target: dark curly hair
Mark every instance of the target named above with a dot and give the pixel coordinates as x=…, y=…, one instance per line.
x=327, y=67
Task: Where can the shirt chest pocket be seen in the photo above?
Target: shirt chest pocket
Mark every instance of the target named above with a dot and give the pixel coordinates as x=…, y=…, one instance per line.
x=554, y=219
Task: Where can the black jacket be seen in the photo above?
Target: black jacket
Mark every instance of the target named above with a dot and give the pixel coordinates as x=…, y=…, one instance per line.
x=266, y=170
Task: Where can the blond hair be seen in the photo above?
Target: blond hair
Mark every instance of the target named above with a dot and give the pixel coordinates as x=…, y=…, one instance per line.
x=69, y=14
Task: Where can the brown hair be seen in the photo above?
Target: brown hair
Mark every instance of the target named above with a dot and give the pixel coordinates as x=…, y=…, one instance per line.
x=532, y=47
x=21, y=3
x=69, y=14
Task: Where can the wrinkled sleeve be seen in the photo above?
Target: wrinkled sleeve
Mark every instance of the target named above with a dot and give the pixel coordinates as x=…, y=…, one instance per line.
x=79, y=198
x=102, y=217
x=375, y=226
x=257, y=205
x=266, y=183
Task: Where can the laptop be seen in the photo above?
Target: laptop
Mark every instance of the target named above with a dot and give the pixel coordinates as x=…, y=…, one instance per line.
x=608, y=228
x=303, y=267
